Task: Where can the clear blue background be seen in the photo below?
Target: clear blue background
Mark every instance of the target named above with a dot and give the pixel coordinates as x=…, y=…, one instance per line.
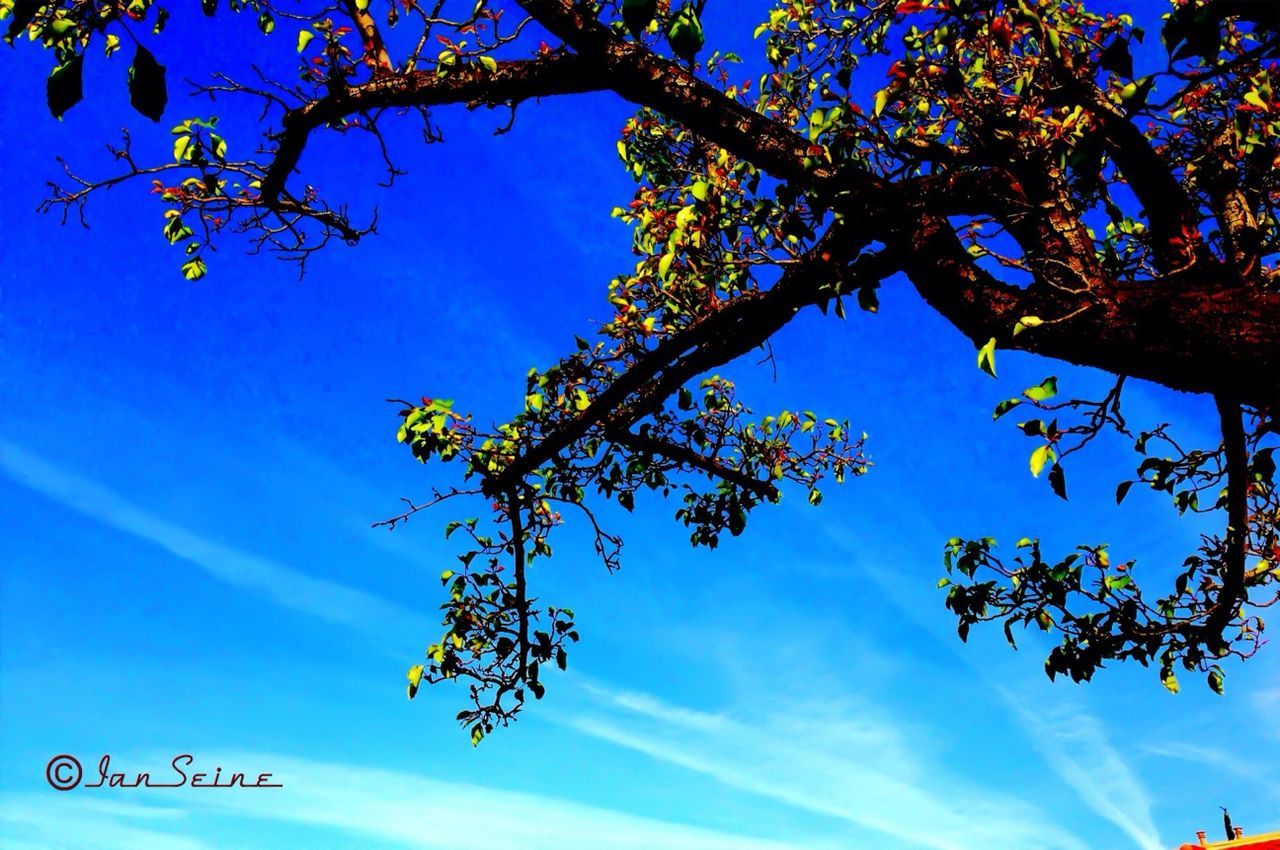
x=188, y=473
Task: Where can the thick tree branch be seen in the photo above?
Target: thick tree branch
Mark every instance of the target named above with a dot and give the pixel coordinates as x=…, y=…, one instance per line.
x=1233, y=561
x=1236, y=220
x=646, y=79
x=514, y=81
x=1168, y=208
x=732, y=330
x=375, y=50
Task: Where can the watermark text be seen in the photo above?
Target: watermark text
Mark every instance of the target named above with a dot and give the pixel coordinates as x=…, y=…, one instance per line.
x=64, y=772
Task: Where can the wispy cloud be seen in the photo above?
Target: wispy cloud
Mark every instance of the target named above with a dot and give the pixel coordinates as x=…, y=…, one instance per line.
x=66, y=822
x=1256, y=771
x=1075, y=746
x=427, y=813
x=1072, y=742
x=835, y=758
x=339, y=801
x=328, y=600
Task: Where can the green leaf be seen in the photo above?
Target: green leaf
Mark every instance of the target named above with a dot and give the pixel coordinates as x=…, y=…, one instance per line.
x=685, y=33
x=489, y=63
x=415, y=679
x=1118, y=582
x=1169, y=680
x=1005, y=406
x=304, y=38
x=1040, y=457
x=477, y=735
x=194, y=269
x=664, y=264
x=1215, y=680
x=987, y=357
x=1134, y=95
x=1044, y=390
x=699, y=190
x=147, y=90
x=218, y=146
x=882, y=99
x=65, y=86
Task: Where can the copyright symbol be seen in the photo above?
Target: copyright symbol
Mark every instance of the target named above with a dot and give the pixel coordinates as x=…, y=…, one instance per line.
x=63, y=772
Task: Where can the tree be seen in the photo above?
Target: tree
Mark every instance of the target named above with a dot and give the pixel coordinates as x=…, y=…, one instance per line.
x=1001, y=155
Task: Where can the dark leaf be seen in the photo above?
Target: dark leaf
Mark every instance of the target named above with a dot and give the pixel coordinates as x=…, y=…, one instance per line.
x=638, y=14
x=24, y=11
x=65, y=86
x=867, y=298
x=1116, y=58
x=1005, y=406
x=147, y=90
x=1058, y=480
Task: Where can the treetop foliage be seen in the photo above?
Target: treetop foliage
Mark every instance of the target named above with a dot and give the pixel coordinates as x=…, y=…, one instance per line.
x=1001, y=156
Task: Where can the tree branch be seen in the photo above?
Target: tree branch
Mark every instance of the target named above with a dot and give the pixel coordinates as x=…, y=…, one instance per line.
x=684, y=454
x=375, y=50
x=738, y=326
x=519, y=80
x=1233, y=562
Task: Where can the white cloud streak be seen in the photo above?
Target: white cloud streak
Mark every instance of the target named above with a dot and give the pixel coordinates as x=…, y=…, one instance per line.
x=397, y=808
x=327, y=600
x=51, y=821
x=1075, y=746
x=834, y=759
x=1073, y=743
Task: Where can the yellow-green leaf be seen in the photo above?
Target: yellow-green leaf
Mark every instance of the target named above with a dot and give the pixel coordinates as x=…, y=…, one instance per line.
x=1040, y=457
x=1043, y=391
x=882, y=100
x=987, y=357
x=664, y=264
x=1027, y=322
x=194, y=269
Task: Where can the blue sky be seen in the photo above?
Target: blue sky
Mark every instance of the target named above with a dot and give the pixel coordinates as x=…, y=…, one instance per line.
x=188, y=473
